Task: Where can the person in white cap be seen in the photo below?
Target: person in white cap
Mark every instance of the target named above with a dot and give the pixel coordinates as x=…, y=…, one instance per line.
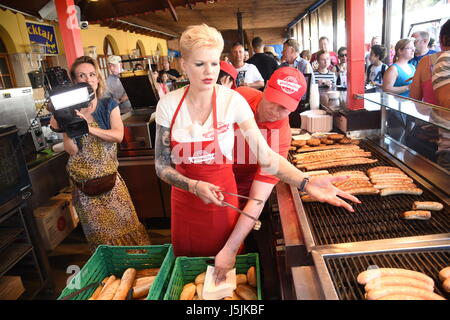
x=115, y=88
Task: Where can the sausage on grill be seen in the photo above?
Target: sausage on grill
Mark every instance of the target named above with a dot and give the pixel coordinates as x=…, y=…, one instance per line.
x=417, y=215
x=427, y=205
x=371, y=274
x=400, y=190
x=402, y=290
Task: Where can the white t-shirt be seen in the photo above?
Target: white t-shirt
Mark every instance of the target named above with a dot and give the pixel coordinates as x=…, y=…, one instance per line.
x=248, y=73
x=375, y=74
x=231, y=108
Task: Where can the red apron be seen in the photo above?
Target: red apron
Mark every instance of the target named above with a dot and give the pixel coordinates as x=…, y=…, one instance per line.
x=200, y=229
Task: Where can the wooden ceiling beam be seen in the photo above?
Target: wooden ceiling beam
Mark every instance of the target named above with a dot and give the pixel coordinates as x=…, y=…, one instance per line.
x=172, y=10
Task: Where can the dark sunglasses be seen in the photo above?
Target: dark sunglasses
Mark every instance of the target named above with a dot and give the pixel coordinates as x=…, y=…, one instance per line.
x=342, y=55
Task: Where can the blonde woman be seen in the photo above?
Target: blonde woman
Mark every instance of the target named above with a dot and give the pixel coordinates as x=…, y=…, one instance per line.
x=100, y=196
x=398, y=77
x=195, y=131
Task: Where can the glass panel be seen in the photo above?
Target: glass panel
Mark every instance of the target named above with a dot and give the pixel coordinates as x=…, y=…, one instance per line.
x=306, y=36
x=298, y=26
x=396, y=21
x=326, y=23
x=374, y=20
x=314, y=32
x=3, y=66
x=341, y=35
x=432, y=114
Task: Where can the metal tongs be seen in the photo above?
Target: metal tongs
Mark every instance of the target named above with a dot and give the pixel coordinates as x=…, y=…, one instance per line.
x=257, y=225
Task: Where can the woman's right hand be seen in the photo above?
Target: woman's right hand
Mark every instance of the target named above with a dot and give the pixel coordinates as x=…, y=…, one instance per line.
x=208, y=193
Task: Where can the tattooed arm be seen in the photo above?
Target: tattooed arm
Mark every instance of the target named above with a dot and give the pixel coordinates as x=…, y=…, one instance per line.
x=209, y=193
x=320, y=188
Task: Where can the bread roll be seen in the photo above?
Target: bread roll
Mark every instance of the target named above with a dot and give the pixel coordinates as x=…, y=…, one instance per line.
x=125, y=284
x=200, y=278
x=99, y=289
x=109, y=291
x=251, y=276
x=199, y=291
x=241, y=279
x=188, y=292
x=246, y=292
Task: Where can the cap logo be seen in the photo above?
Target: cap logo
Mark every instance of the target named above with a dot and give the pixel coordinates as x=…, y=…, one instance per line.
x=289, y=85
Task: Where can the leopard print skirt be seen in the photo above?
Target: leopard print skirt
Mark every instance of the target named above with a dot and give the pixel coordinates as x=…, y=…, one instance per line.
x=109, y=218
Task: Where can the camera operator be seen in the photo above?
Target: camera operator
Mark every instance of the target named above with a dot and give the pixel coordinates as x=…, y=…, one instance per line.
x=101, y=197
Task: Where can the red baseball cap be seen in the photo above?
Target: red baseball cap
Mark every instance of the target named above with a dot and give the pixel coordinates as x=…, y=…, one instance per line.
x=228, y=68
x=286, y=87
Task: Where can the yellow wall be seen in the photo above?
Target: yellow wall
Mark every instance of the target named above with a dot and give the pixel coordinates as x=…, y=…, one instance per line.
x=124, y=40
x=14, y=33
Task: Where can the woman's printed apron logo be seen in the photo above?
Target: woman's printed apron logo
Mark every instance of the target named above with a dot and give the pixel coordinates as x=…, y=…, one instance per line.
x=202, y=156
x=289, y=85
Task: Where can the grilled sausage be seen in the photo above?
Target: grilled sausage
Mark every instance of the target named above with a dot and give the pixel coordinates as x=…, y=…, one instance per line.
x=334, y=146
x=339, y=163
x=393, y=181
x=417, y=215
x=386, y=185
x=359, y=191
x=400, y=190
x=383, y=169
x=444, y=274
x=427, y=205
x=381, y=282
x=402, y=290
x=371, y=274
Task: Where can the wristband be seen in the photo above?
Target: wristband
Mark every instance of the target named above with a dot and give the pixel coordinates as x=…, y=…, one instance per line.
x=195, y=187
x=303, y=185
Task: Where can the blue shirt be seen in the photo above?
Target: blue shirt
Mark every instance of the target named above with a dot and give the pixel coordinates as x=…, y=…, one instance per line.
x=402, y=76
x=415, y=61
x=102, y=113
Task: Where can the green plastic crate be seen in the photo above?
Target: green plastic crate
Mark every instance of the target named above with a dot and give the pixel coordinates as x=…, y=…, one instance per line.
x=114, y=260
x=187, y=268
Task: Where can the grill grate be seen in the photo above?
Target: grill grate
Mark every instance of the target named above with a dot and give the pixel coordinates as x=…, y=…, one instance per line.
x=376, y=218
x=345, y=269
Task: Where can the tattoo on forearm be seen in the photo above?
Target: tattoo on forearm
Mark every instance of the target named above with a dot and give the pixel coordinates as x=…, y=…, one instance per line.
x=163, y=160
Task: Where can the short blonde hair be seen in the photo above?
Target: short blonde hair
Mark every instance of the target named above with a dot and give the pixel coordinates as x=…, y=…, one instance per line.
x=200, y=36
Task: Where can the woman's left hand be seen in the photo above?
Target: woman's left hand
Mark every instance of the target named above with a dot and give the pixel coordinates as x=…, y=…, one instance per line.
x=322, y=189
x=224, y=262
x=79, y=114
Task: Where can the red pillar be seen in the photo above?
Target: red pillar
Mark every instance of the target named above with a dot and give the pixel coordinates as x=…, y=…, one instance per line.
x=355, y=45
x=70, y=30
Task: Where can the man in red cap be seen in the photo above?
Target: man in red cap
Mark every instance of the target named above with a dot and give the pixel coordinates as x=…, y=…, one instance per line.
x=282, y=94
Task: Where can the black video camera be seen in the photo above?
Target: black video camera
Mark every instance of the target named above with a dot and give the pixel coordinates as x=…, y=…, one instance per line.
x=65, y=98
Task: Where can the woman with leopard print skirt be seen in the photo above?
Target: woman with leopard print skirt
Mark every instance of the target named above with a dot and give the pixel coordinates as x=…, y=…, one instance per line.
x=100, y=196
